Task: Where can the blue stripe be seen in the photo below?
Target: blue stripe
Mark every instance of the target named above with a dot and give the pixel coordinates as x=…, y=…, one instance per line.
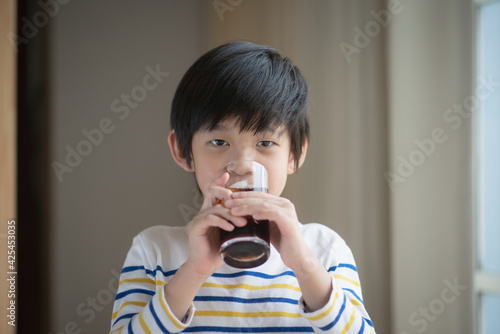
x=232, y=275
x=158, y=322
x=165, y=273
x=219, y=275
x=334, y=322
x=130, y=328
x=343, y=265
x=254, y=273
x=125, y=316
x=131, y=268
x=368, y=321
x=249, y=329
x=354, y=294
x=148, y=271
x=246, y=301
x=362, y=327
x=128, y=292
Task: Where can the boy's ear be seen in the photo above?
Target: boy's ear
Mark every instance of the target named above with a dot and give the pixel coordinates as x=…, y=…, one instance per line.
x=177, y=152
x=291, y=161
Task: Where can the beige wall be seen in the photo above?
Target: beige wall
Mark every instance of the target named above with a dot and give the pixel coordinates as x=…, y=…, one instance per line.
x=99, y=51
x=430, y=70
x=8, y=155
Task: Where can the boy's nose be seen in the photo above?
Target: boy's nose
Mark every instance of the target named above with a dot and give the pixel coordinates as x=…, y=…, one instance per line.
x=244, y=167
x=243, y=154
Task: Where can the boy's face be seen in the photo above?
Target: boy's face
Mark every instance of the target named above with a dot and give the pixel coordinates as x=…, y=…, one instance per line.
x=213, y=149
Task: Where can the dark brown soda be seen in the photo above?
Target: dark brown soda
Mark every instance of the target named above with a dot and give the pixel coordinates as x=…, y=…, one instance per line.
x=246, y=253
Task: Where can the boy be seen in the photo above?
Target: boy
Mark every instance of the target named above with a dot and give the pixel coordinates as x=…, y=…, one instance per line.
x=240, y=101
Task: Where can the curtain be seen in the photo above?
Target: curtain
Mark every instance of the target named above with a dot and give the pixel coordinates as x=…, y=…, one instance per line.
x=430, y=85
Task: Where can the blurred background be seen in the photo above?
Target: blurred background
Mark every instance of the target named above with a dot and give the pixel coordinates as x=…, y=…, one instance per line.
x=402, y=162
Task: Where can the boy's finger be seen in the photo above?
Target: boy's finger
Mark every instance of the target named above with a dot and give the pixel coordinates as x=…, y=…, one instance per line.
x=200, y=228
x=256, y=194
x=225, y=213
x=215, y=191
x=221, y=179
x=258, y=211
x=221, y=223
x=252, y=203
x=220, y=193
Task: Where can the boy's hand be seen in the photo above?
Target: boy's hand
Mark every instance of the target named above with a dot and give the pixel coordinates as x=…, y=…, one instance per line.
x=203, y=231
x=314, y=281
x=284, y=226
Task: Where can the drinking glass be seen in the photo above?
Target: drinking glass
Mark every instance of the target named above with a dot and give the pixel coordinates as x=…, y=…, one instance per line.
x=247, y=246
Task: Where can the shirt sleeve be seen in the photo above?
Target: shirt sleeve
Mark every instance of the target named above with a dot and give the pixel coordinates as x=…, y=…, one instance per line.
x=345, y=311
x=140, y=305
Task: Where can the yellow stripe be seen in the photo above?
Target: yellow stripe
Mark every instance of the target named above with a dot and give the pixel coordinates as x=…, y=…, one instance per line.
x=142, y=280
x=119, y=330
x=356, y=302
x=349, y=324
x=343, y=278
x=165, y=309
x=143, y=324
x=246, y=314
x=141, y=304
x=319, y=316
x=251, y=287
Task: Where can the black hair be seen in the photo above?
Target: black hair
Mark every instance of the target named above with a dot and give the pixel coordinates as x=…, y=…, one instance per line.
x=247, y=82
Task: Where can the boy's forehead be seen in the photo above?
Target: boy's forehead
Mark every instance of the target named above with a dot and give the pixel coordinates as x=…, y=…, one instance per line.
x=225, y=125
x=230, y=125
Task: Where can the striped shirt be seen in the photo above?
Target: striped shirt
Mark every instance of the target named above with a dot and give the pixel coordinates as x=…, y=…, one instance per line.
x=265, y=299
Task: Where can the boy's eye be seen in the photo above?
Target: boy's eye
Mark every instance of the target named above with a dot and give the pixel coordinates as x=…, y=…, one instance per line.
x=219, y=142
x=266, y=143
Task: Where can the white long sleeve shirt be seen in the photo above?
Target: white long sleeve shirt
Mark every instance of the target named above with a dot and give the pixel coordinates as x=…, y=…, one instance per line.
x=265, y=299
